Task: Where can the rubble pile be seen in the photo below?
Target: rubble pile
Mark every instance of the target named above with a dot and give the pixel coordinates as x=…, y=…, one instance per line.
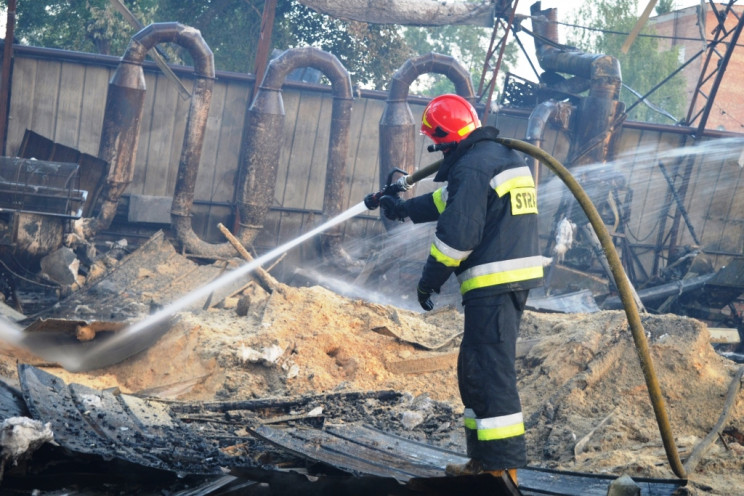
x=584, y=397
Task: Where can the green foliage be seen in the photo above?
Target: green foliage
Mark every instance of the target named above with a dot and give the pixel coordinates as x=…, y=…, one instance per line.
x=370, y=52
x=231, y=28
x=467, y=44
x=87, y=26
x=665, y=7
x=643, y=67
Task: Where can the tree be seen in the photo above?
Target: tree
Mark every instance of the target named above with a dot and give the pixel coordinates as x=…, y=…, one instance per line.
x=87, y=26
x=643, y=67
x=370, y=52
x=468, y=44
x=665, y=7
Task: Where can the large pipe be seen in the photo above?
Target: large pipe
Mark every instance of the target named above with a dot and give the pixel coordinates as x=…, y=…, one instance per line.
x=397, y=127
x=263, y=135
x=597, y=113
x=123, y=114
x=541, y=115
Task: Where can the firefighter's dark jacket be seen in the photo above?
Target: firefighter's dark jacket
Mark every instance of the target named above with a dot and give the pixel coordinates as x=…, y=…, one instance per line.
x=486, y=220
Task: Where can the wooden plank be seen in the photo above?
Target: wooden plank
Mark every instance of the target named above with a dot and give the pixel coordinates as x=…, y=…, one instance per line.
x=291, y=101
x=303, y=150
x=143, y=168
x=364, y=149
x=735, y=225
x=316, y=172
x=69, y=107
x=21, y=102
x=648, y=185
x=95, y=89
x=345, y=455
x=44, y=106
x=207, y=165
x=206, y=176
x=161, y=133
x=698, y=197
x=225, y=185
x=180, y=115
x=724, y=335
x=718, y=231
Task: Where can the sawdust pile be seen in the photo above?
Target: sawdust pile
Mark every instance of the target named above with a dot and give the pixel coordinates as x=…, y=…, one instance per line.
x=584, y=397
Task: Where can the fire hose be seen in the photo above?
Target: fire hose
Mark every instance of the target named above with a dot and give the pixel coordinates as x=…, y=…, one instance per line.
x=624, y=287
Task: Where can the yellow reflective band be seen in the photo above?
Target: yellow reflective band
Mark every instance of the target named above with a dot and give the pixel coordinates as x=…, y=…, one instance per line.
x=466, y=129
x=471, y=424
x=442, y=258
x=440, y=200
x=519, y=177
x=505, y=277
x=517, y=182
x=501, y=432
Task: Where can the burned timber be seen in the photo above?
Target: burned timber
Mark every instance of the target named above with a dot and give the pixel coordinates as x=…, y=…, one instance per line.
x=107, y=221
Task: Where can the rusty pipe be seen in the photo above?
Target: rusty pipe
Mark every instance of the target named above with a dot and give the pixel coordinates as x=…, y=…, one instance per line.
x=123, y=114
x=262, y=139
x=397, y=127
x=597, y=112
x=536, y=124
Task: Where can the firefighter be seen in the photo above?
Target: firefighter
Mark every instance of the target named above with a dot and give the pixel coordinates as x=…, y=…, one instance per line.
x=486, y=234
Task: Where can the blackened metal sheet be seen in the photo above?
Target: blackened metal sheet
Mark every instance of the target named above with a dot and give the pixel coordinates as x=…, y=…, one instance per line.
x=85, y=420
x=364, y=450
x=358, y=459
x=11, y=402
x=416, y=452
x=49, y=400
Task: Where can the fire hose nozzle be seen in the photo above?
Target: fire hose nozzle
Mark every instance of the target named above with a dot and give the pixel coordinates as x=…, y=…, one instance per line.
x=372, y=200
x=403, y=183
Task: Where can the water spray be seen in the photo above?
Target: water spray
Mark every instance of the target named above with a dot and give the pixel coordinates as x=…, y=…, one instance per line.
x=371, y=202
x=97, y=355
x=625, y=289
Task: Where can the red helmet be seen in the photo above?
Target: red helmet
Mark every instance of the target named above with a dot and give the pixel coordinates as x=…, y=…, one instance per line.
x=449, y=118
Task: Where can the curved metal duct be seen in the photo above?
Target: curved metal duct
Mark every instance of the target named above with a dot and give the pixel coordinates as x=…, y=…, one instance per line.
x=536, y=125
x=397, y=126
x=122, y=118
x=596, y=113
x=263, y=135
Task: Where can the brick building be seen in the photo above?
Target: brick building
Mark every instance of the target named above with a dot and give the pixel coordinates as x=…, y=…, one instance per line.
x=688, y=29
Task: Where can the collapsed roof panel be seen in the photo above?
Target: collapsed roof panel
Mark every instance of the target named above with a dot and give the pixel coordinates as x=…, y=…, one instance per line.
x=100, y=423
x=151, y=433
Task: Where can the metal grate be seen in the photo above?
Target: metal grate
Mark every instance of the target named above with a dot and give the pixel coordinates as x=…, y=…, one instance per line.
x=38, y=186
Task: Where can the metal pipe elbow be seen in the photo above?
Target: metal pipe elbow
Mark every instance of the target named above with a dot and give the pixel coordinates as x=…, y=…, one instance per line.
x=173, y=32
x=294, y=58
x=428, y=63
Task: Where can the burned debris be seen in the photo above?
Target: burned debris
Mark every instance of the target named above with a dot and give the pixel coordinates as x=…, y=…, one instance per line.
x=297, y=370
x=282, y=442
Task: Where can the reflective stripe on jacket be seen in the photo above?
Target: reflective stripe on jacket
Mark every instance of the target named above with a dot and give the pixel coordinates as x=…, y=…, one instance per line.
x=486, y=220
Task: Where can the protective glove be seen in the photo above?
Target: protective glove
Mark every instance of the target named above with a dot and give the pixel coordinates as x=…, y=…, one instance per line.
x=424, y=296
x=393, y=207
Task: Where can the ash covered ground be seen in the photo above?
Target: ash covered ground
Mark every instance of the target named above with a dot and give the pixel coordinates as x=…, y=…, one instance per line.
x=584, y=397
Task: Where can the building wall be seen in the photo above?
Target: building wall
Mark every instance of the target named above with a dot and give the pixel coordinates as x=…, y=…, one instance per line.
x=689, y=28
x=62, y=96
